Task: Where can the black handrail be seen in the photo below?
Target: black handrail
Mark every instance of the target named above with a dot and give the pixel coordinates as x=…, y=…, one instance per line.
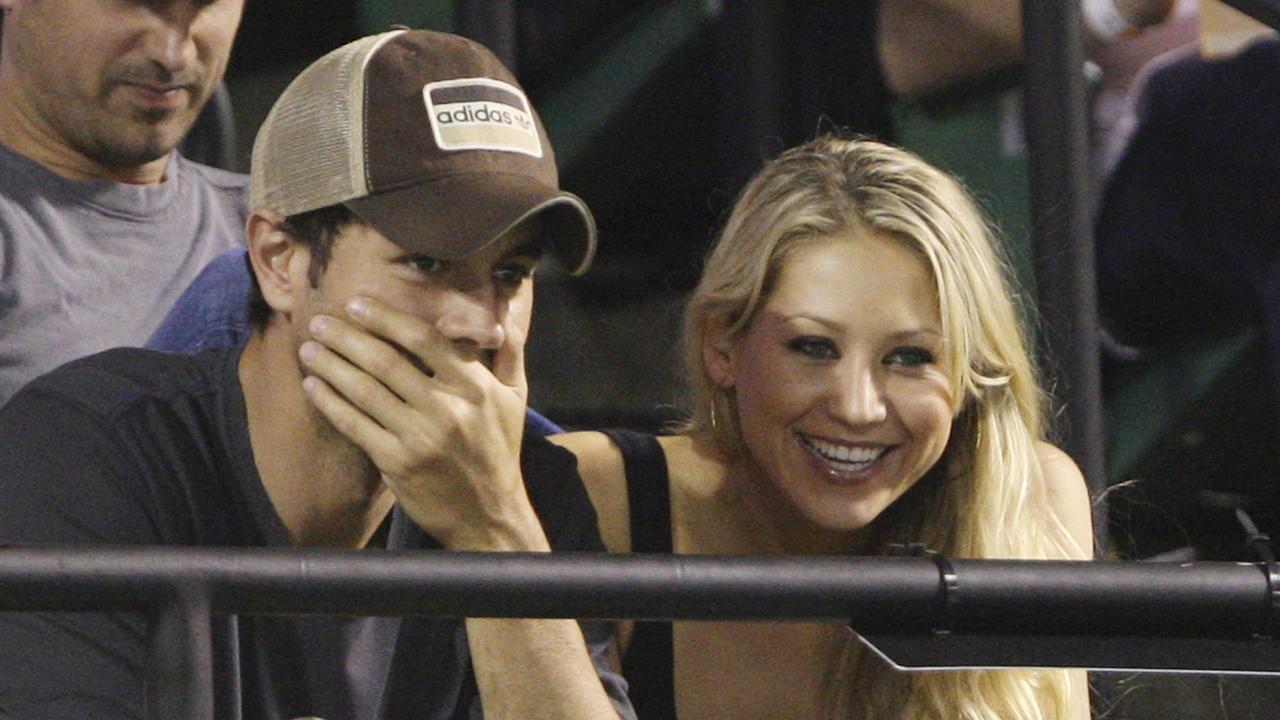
x=1211, y=616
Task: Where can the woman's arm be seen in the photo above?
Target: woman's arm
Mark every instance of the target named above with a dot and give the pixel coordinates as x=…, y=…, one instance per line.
x=1069, y=498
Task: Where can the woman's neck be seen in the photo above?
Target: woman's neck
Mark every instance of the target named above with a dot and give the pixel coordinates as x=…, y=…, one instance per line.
x=767, y=520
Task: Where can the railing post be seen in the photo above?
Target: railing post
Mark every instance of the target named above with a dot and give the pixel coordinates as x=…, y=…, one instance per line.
x=1057, y=126
x=491, y=23
x=179, y=671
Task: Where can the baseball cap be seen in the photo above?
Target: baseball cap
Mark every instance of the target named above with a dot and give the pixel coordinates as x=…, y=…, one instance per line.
x=427, y=137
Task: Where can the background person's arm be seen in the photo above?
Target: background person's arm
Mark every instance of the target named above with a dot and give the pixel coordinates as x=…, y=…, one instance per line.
x=926, y=46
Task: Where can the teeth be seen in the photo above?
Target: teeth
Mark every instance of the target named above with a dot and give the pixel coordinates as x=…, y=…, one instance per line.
x=845, y=458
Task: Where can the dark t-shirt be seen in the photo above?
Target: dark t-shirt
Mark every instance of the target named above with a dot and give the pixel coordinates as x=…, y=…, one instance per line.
x=138, y=447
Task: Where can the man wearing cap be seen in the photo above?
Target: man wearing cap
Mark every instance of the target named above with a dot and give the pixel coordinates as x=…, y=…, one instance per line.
x=404, y=191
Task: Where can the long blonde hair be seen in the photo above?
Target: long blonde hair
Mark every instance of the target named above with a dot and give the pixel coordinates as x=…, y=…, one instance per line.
x=986, y=497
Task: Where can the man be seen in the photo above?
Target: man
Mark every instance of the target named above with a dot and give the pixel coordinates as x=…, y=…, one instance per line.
x=403, y=192
x=102, y=224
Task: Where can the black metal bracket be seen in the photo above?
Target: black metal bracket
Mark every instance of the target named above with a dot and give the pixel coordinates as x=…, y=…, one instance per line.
x=948, y=584
x=1259, y=544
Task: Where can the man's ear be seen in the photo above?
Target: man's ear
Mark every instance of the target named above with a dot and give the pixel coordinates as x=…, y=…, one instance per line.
x=718, y=351
x=279, y=260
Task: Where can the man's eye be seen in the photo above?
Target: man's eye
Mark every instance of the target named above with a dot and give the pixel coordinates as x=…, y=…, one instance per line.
x=910, y=356
x=816, y=348
x=420, y=263
x=512, y=275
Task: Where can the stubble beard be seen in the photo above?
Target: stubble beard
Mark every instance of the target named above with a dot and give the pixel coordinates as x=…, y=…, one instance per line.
x=122, y=135
x=340, y=455
x=139, y=138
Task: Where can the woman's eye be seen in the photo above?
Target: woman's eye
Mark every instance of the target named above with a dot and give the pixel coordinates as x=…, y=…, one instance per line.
x=815, y=348
x=910, y=356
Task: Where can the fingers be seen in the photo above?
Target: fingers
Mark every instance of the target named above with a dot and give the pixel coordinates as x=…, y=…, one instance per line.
x=409, y=332
x=367, y=370
x=392, y=364
x=508, y=361
x=395, y=366
x=352, y=422
x=459, y=367
x=360, y=403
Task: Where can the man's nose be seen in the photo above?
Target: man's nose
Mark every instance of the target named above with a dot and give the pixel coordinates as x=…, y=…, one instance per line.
x=472, y=319
x=169, y=41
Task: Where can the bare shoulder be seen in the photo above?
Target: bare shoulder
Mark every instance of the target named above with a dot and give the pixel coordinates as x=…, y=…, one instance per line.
x=1068, y=494
x=603, y=472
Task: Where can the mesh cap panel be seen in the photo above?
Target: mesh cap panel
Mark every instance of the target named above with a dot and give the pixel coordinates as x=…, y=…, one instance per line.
x=309, y=151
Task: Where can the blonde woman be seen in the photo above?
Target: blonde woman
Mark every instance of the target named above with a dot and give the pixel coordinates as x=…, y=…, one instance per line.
x=859, y=379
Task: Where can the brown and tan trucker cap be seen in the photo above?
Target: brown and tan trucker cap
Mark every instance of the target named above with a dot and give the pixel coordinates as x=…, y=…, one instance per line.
x=428, y=138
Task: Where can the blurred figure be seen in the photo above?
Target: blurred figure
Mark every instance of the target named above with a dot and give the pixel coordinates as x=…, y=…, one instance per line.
x=931, y=46
x=1188, y=229
x=102, y=224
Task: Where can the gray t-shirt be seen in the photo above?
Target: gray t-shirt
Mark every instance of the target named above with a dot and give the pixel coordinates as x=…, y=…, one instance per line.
x=87, y=265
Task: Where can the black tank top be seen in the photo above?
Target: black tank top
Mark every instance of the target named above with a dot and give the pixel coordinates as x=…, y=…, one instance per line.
x=648, y=664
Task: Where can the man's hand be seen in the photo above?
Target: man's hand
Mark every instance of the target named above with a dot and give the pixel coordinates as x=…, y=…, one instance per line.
x=443, y=423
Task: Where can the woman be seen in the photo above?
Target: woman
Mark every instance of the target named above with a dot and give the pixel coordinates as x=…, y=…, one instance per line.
x=859, y=380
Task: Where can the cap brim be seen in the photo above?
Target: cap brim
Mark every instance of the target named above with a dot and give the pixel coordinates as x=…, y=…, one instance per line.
x=457, y=216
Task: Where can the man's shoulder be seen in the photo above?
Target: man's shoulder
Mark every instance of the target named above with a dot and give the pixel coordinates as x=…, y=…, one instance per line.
x=122, y=379
x=550, y=462
x=216, y=177
x=558, y=496
x=231, y=188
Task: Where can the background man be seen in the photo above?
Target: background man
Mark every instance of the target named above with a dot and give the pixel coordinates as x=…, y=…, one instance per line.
x=102, y=225
x=404, y=191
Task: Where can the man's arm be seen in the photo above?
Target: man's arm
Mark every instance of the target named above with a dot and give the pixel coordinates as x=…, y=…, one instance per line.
x=446, y=432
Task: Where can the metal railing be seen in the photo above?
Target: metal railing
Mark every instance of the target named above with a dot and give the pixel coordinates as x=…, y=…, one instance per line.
x=918, y=611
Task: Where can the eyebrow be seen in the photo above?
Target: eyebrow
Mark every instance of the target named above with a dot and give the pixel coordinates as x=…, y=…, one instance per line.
x=920, y=331
x=836, y=325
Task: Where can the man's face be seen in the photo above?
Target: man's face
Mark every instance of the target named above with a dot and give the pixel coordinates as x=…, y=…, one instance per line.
x=480, y=304
x=118, y=81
